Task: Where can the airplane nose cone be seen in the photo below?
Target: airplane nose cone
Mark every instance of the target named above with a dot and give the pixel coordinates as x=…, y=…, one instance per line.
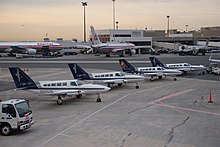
x=107, y=88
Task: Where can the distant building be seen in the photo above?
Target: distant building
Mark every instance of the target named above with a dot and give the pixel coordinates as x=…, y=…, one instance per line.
x=142, y=39
x=210, y=31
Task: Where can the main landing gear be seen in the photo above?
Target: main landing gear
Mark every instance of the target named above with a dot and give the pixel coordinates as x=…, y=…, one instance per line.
x=59, y=100
x=99, y=99
x=137, y=86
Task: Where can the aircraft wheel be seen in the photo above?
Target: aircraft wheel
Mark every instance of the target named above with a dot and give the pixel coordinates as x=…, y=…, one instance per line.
x=160, y=77
x=119, y=84
x=107, y=55
x=99, y=100
x=78, y=96
x=174, y=79
x=59, y=102
x=137, y=87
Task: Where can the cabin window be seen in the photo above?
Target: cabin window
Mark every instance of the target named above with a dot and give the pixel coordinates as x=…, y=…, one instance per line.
x=45, y=84
x=64, y=83
x=73, y=84
x=117, y=74
x=58, y=84
x=48, y=84
x=111, y=75
x=106, y=75
x=158, y=68
x=153, y=69
x=102, y=75
x=149, y=68
x=53, y=84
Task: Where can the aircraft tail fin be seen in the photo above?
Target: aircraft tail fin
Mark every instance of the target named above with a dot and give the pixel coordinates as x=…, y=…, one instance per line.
x=21, y=79
x=155, y=62
x=126, y=67
x=78, y=72
x=95, y=38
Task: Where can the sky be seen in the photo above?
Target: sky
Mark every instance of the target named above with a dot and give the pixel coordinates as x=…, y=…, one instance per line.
x=31, y=20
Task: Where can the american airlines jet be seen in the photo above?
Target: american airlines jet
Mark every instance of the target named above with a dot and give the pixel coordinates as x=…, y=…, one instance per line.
x=62, y=88
x=30, y=48
x=110, y=48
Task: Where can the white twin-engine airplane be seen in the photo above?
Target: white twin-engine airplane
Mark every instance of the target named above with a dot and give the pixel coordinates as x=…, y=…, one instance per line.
x=108, y=48
x=108, y=78
x=30, y=48
x=184, y=67
x=55, y=88
x=148, y=71
x=213, y=60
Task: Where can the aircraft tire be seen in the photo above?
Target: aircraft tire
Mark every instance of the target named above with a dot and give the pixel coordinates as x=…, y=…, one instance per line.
x=119, y=84
x=59, y=102
x=78, y=96
x=174, y=79
x=99, y=100
x=137, y=87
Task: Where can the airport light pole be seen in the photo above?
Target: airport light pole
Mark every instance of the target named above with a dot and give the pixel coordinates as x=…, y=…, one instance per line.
x=84, y=4
x=113, y=20
x=186, y=28
x=117, y=25
x=168, y=25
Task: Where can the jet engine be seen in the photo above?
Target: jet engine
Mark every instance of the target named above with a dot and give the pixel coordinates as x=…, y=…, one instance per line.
x=31, y=51
x=133, y=51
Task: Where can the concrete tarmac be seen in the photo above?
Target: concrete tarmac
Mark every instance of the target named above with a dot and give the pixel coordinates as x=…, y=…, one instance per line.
x=162, y=113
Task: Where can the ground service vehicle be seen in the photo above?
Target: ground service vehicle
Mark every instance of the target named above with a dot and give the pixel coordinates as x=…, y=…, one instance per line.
x=15, y=114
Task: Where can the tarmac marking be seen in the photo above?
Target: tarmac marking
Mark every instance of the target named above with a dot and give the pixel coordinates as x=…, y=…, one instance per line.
x=94, y=113
x=171, y=96
x=188, y=109
x=158, y=103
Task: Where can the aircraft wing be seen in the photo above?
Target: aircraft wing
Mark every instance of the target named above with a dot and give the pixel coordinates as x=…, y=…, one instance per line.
x=18, y=49
x=154, y=74
x=120, y=49
x=115, y=81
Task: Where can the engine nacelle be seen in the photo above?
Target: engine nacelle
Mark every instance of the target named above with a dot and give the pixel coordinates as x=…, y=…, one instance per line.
x=133, y=51
x=31, y=51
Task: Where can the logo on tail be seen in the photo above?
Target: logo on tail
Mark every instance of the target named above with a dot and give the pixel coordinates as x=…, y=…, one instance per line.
x=78, y=72
x=21, y=79
x=155, y=62
x=95, y=37
x=126, y=67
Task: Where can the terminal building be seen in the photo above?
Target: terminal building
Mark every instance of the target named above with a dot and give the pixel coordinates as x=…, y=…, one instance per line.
x=150, y=40
x=142, y=39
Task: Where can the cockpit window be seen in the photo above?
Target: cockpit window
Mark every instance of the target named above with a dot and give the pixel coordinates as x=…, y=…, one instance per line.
x=73, y=83
x=79, y=83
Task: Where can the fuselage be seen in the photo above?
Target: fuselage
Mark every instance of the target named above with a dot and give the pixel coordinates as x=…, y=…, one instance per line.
x=158, y=71
x=114, y=78
x=113, y=47
x=34, y=45
x=185, y=67
x=69, y=87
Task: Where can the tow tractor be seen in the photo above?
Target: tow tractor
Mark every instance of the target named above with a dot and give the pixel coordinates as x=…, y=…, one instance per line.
x=15, y=114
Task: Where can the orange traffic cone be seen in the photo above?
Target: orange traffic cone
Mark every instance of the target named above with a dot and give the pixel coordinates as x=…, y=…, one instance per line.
x=210, y=97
